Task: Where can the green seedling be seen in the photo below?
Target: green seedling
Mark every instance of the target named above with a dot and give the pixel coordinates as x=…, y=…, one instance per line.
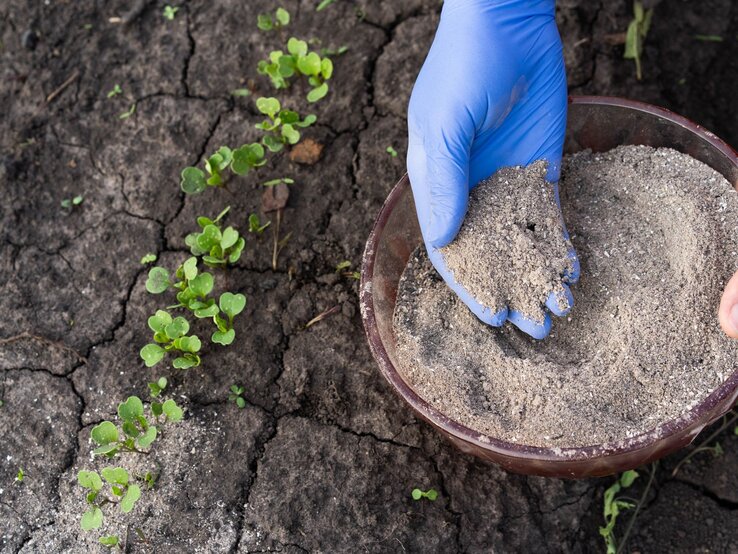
x=240, y=92
x=170, y=335
x=170, y=12
x=231, y=305
x=282, y=124
x=324, y=4
x=123, y=492
x=137, y=431
x=301, y=61
x=391, y=151
x=344, y=269
x=280, y=180
x=217, y=246
x=111, y=541
x=150, y=480
x=148, y=259
x=613, y=505
x=430, y=494
x=330, y=52
x=20, y=475
x=255, y=225
x=115, y=91
x=69, y=203
x=157, y=387
x=241, y=161
x=235, y=396
x=129, y=113
x=636, y=34
x=709, y=38
x=87, y=26
x=267, y=22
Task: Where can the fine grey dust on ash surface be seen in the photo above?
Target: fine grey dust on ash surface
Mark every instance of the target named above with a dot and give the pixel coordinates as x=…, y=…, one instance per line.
x=653, y=231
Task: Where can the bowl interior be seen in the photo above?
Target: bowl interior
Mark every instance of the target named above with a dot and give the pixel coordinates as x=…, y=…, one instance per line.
x=598, y=123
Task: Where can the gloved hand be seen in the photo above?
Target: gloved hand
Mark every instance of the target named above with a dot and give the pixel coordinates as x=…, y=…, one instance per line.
x=491, y=93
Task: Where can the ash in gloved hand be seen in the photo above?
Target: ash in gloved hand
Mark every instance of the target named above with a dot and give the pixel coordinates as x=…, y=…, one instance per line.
x=512, y=249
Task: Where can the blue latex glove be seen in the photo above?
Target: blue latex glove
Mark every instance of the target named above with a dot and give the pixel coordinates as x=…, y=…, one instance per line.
x=491, y=93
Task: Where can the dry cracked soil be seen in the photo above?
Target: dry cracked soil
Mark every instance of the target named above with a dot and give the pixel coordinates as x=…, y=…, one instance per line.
x=324, y=456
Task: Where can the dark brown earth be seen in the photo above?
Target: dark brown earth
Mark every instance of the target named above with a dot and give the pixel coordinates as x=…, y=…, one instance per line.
x=324, y=457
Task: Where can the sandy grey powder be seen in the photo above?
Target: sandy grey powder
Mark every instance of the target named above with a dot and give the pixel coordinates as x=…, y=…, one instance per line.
x=655, y=231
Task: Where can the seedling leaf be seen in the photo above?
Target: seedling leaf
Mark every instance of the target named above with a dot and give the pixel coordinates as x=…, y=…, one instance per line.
x=129, y=500
x=115, y=475
x=152, y=354
x=104, y=433
x=171, y=410
x=158, y=280
x=193, y=180
x=92, y=519
x=89, y=480
x=131, y=409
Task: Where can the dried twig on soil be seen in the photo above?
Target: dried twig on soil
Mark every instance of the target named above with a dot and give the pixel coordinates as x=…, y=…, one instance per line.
x=56, y=92
x=321, y=316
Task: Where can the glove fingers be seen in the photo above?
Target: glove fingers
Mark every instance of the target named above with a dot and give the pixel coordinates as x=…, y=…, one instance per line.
x=526, y=325
x=560, y=302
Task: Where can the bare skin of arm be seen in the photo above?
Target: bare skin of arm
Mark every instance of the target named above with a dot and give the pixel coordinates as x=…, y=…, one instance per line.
x=728, y=312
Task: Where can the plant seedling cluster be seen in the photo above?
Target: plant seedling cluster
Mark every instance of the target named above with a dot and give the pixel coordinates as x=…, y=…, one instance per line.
x=114, y=484
x=240, y=161
x=170, y=334
x=298, y=60
x=430, y=494
x=281, y=127
x=267, y=22
x=115, y=91
x=255, y=225
x=235, y=396
x=217, y=246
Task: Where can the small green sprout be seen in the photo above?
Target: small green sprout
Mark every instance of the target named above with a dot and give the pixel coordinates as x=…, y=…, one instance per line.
x=709, y=38
x=2, y=403
x=231, y=305
x=324, y=4
x=235, y=396
x=241, y=161
x=87, y=26
x=240, y=92
x=328, y=52
x=255, y=225
x=217, y=246
x=391, y=151
x=171, y=334
x=281, y=124
x=111, y=541
x=280, y=180
x=157, y=387
x=69, y=203
x=344, y=267
x=20, y=475
x=266, y=22
x=150, y=480
x=116, y=90
x=170, y=12
x=148, y=259
x=636, y=34
x=430, y=494
x=612, y=507
x=129, y=113
x=298, y=60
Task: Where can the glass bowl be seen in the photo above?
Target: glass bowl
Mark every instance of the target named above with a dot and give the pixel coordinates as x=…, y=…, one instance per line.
x=599, y=123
